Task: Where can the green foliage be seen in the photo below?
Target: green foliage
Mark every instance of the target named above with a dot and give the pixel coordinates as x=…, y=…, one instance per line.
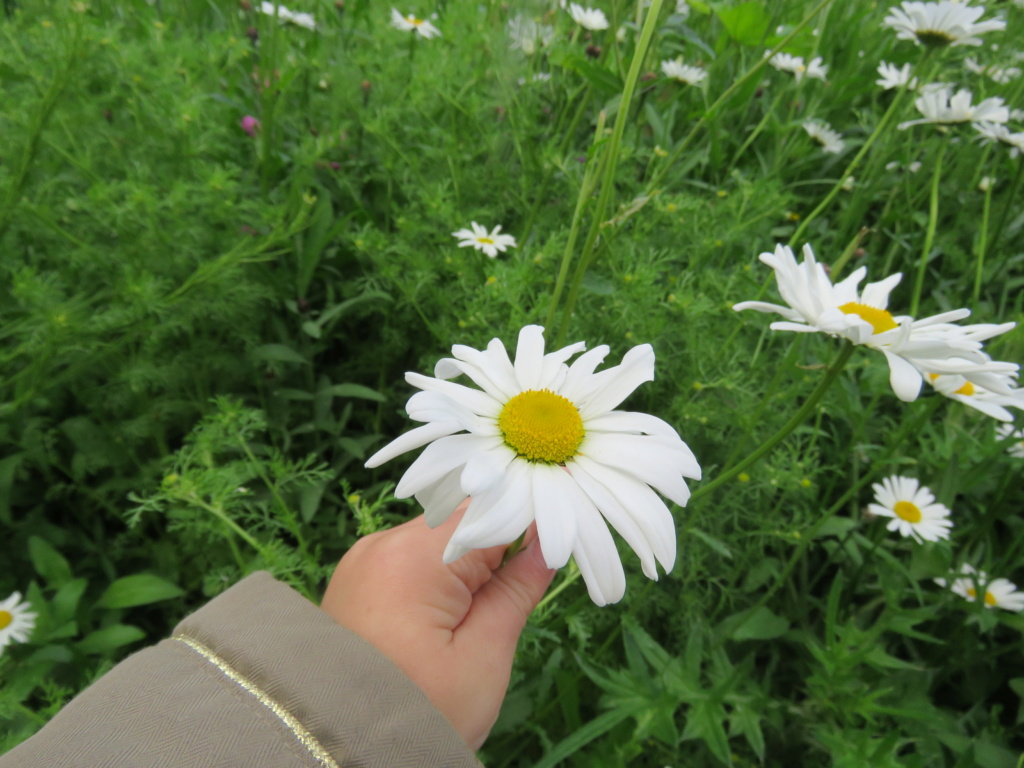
x=204, y=334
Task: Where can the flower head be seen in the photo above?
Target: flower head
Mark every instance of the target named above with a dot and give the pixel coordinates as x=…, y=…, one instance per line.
x=942, y=106
x=795, y=65
x=684, y=73
x=249, y=124
x=16, y=621
x=411, y=23
x=304, y=20
x=937, y=25
x=997, y=132
x=588, y=18
x=527, y=35
x=540, y=441
x=488, y=242
x=822, y=133
x=975, y=395
x=913, y=509
x=891, y=76
x=1015, y=438
x=997, y=593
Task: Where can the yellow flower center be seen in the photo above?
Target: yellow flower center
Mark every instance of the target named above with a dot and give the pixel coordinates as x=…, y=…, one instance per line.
x=485, y=240
x=966, y=389
x=880, y=320
x=908, y=511
x=5, y=619
x=541, y=426
x=414, y=21
x=990, y=599
x=933, y=38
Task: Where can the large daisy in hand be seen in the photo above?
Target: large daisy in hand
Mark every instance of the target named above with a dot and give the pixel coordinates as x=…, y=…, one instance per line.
x=540, y=441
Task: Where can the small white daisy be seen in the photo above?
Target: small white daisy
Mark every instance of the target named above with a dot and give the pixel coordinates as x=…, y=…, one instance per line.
x=830, y=141
x=974, y=395
x=785, y=62
x=588, y=18
x=542, y=443
x=913, y=509
x=1015, y=437
x=891, y=76
x=997, y=132
x=529, y=36
x=942, y=106
x=912, y=167
x=936, y=25
x=411, y=23
x=16, y=621
x=304, y=20
x=998, y=593
x=683, y=73
x=489, y=242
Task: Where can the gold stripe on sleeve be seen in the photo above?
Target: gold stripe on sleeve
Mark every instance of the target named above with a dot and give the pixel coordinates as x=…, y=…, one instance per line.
x=307, y=739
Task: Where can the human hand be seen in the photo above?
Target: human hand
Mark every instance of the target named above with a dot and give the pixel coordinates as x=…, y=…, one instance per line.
x=452, y=628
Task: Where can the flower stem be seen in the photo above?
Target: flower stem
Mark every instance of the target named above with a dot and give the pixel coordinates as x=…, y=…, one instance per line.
x=929, y=237
x=795, y=421
x=609, y=166
x=982, y=243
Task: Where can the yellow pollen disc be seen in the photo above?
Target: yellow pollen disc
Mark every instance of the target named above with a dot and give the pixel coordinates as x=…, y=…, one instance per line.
x=908, y=511
x=5, y=619
x=932, y=376
x=541, y=426
x=990, y=599
x=414, y=21
x=880, y=320
x=485, y=240
x=972, y=593
x=966, y=389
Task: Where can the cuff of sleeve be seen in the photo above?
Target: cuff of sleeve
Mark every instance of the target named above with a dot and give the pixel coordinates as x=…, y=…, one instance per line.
x=343, y=700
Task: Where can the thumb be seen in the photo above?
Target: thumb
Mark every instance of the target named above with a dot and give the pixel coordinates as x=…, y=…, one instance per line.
x=502, y=605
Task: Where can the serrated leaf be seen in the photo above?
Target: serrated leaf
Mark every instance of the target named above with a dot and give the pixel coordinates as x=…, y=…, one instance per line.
x=138, y=589
x=705, y=721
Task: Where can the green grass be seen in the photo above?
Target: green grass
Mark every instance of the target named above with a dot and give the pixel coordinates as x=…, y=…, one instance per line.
x=204, y=336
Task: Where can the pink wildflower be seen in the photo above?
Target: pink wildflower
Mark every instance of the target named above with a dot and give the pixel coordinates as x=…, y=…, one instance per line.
x=250, y=125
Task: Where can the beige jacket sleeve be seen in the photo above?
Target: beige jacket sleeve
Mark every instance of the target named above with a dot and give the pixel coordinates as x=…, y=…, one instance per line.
x=257, y=677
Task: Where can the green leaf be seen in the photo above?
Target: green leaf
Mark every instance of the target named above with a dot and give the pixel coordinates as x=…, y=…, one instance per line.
x=278, y=353
x=592, y=730
x=603, y=80
x=760, y=624
x=353, y=390
x=109, y=638
x=48, y=562
x=705, y=721
x=746, y=722
x=746, y=23
x=715, y=544
x=139, y=589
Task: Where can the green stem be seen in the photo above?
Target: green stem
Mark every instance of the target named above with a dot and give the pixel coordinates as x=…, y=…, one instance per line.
x=929, y=237
x=795, y=421
x=610, y=162
x=982, y=243
x=848, y=171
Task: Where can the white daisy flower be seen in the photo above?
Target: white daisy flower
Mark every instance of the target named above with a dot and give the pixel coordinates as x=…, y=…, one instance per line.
x=830, y=141
x=489, y=242
x=16, y=621
x=974, y=395
x=944, y=107
x=795, y=65
x=1015, y=437
x=913, y=509
x=540, y=441
x=998, y=593
x=1001, y=75
x=912, y=167
x=683, y=8
x=684, y=73
x=588, y=18
x=411, y=23
x=815, y=305
x=891, y=76
x=936, y=25
x=529, y=36
x=297, y=18
x=997, y=132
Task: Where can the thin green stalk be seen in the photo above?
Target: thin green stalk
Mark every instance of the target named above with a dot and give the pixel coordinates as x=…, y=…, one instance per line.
x=610, y=162
x=728, y=92
x=982, y=243
x=851, y=167
x=795, y=421
x=929, y=237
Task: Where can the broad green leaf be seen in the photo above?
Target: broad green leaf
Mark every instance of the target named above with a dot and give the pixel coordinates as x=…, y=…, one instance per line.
x=109, y=638
x=278, y=353
x=759, y=624
x=48, y=562
x=574, y=743
x=139, y=589
x=746, y=23
x=353, y=390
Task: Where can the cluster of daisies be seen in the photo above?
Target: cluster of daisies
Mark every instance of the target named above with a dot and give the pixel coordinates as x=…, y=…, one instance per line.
x=16, y=621
x=937, y=350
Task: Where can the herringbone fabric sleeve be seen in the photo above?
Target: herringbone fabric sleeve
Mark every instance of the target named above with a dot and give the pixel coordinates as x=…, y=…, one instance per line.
x=258, y=677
